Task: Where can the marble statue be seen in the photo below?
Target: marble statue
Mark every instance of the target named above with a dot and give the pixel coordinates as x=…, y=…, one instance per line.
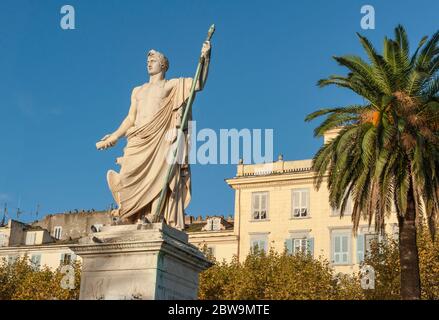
x=155, y=112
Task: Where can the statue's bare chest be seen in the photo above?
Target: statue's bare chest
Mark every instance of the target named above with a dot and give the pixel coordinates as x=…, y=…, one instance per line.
x=149, y=100
x=151, y=92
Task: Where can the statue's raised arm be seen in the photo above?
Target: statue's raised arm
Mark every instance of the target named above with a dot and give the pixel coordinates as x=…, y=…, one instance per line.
x=205, y=54
x=111, y=139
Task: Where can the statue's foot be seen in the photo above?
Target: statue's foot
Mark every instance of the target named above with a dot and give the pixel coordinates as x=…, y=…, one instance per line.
x=115, y=213
x=149, y=217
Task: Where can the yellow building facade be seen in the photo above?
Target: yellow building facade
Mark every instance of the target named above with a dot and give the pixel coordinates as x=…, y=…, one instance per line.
x=281, y=209
x=276, y=206
x=18, y=240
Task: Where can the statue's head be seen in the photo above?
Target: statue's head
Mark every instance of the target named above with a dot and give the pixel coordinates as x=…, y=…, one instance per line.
x=157, y=62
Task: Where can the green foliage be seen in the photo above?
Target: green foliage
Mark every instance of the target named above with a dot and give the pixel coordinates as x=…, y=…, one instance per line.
x=276, y=276
x=21, y=281
x=390, y=144
x=384, y=258
x=387, y=151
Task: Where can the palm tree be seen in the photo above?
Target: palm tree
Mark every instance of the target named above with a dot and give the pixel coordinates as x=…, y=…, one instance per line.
x=386, y=154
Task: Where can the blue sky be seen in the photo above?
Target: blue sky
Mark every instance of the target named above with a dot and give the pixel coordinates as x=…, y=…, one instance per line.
x=60, y=91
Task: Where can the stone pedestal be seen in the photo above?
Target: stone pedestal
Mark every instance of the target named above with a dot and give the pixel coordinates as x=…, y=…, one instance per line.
x=145, y=261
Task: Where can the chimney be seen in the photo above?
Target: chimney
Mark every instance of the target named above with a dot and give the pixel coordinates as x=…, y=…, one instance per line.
x=240, y=168
x=188, y=219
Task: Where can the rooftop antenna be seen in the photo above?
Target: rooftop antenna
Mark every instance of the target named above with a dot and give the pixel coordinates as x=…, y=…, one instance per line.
x=18, y=208
x=38, y=210
x=5, y=212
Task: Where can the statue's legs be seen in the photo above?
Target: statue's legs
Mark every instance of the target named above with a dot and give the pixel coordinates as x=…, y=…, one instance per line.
x=146, y=212
x=174, y=210
x=114, y=185
x=151, y=208
x=154, y=206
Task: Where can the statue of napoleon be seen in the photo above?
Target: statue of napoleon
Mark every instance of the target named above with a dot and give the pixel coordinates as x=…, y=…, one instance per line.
x=155, y=112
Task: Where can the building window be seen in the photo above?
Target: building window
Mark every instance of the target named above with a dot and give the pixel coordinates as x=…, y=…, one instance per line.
x=347, y=211
x=300, y=203
x=4, y=240
x=341, y=248
x=365, y=242
x=212, y=224
x=300, y=244
x=216, y=224
x=57, y=232
x=67, y=258
x=36, y=261
x=211, y=251
x=259, y=242
x=370, y=239
x=259, y=205
x=12, y=259
x=30, y=238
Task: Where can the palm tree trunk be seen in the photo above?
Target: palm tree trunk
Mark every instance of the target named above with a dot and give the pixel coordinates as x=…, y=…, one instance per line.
x=408, y=251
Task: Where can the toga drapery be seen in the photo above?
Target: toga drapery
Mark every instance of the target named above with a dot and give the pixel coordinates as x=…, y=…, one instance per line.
x=144, y=165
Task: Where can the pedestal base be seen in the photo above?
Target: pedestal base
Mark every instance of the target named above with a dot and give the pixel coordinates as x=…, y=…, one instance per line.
x=146, y=261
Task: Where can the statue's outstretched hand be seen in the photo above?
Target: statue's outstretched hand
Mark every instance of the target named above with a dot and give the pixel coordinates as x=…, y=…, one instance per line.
x=106, y=142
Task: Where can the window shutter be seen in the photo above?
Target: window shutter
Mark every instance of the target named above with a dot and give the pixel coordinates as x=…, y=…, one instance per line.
x=256, y=205
x=262, y=245
x=38, y=260
x=338, y=249
x=310, y=246
x=263, y=202
x=345, y=249
x=289, y=246
x=30, y=238
x=360, y=248
x=254, y=245
x=308, y=209
x=305, y=200
x=256, y=202
x=62, y=258
x=209, y=225
x=296, y=201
